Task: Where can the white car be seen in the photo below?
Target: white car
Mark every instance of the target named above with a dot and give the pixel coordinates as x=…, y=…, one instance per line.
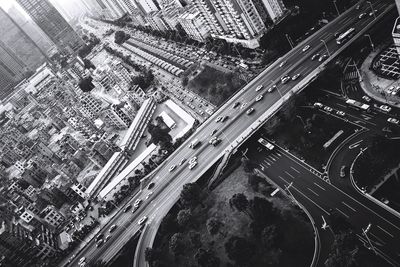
x=306, y=48
x=243, y=105
x=259, y=88
x=81, y=260
x=393, y=120
x=282, y=64
x=323, y=57
x=366, y=98
x=315, y=56
x=249, y=111
x=172, y=168
x=271, y=89
x=259, y=97
x=137, y=202
x=182, y=161
x=194, y=164
x=318, y=105
x=142, y=220
x=112, y=228
x=193, y=160
x=340, y=113
x=385, y=108
x=285, y=79
x=218, y=119
x=295, y=77
x=328, y=109
x=149, y=194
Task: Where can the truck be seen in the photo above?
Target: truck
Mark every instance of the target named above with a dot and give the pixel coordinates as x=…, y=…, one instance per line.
x=195, y=143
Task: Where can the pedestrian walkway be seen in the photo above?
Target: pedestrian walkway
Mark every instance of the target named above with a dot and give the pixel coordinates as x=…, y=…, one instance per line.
x=377, y=87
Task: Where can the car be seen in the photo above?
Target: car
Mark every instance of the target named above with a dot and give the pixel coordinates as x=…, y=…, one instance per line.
x=315, y=56
x=372, y=13
x=213, y=132
x=182, y=161
x=340, y=113
x=191, y=166
x=236, y=105
x=285, y=79
x=224, y=118
x=151, y=185
x=318, y=105
x=83, y=264
x=243, y=105
x=282, y=64
x=393, y=120
x=149, y=194
x=98, y=237
x=358, y=7
x=295, y=77
x=81, y=260
x=306, y=48
x=271, y=89
x=172, y=168
x=142, y=220
x=218, y=119
x=366, y=98
x=336, y=34
x=362, y=15
x=201, y=112
x=258, y=88
x=127, y=208
x=107, y=238
x=259, y=97
x=192, y=160
x=112, y=228
x=328, y=109
x=249, y=111
x=200, y=105
x=99, y=243
x=137, y=202
x=343, y=171
x=385, y=108
x=323, y=57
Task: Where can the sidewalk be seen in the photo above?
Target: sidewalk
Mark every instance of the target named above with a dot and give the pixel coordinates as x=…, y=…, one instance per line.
x=374, y=86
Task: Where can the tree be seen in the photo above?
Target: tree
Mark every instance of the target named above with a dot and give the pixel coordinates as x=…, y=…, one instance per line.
x=239, y=249
x=168, y=224
x=99, y=263
x=269, y=236
x=206, y=258
x=339, y=223
x=120, y=37
x=190, y=194
x=86, y=84
x=184, y=217
x=239, y=202
x=195, y=238
x=151, y=255
x=176, y=245
x=343, y=251
x=213, y=225
x=88, y=64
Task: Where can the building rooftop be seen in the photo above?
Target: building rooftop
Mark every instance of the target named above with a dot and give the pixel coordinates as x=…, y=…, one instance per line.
x=396, y=27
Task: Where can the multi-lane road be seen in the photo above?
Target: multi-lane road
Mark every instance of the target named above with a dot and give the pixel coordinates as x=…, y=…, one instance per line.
x=168, y=184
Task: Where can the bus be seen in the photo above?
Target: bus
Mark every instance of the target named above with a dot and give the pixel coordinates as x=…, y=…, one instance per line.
x=344, y=37
x=358, y=105
x=265, y=143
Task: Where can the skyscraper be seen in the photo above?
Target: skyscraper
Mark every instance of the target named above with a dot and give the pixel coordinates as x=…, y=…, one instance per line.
x=12, y=70
x=53, y=24
x=147, y=6
x=15, y=38
x=275, y=8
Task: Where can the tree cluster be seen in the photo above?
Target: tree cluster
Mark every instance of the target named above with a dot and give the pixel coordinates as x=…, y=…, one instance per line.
x=120, y=37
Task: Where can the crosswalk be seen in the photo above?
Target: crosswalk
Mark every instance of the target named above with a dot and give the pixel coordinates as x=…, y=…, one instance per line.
x=351, y=76
x=271, y=159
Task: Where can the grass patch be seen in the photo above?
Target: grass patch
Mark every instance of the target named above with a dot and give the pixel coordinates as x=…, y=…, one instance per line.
x=214, y=85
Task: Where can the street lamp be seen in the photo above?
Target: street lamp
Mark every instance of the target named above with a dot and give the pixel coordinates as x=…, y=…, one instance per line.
x=372, y=8
x=337, y=10
x=277, y=89
x=365, y=233
x=370, y=40
x=226, y=137
x=326, y=47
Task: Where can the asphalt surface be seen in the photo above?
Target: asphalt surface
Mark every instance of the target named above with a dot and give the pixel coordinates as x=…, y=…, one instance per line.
x=168, y=185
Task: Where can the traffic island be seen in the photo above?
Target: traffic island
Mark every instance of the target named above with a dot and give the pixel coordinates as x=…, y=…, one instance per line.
x=237, y=222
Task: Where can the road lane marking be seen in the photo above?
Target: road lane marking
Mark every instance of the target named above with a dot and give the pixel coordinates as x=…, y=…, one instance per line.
x=280, y=155
x=350, y=207
x=295, y=169
x=319, y=186
x=341, y=105
x=283, y=179
x=385, y=231
x=356, y=144
x=327, y=213
x=290, y=175
x=347, y=216
x=377, y=238
x=313, y=192
x=271, y=158
x=266, y=162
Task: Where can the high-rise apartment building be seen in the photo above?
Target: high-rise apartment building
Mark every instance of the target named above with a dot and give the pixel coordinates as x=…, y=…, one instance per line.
x=19, y=42
x=233, y=20
x=147, y=6
x=396, y=30
x=275, y=8
x=194, y=25
x=46, y=16
x=12, y=70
